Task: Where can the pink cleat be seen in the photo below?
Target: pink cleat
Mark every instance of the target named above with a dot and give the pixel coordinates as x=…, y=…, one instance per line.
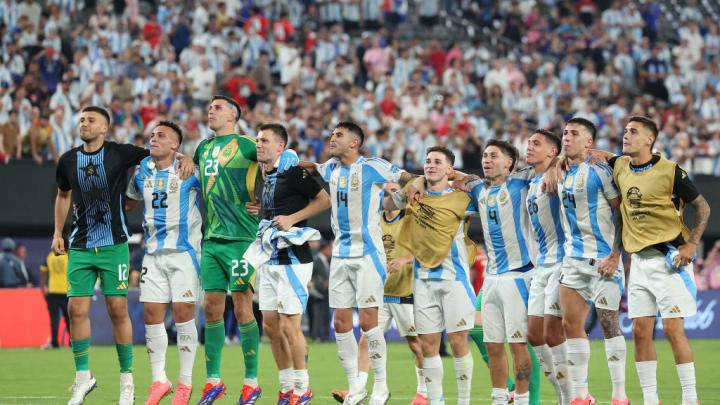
x=419, y=400
x=620, y=402
x=511, y=397
x=182, y=394
x=158, y=390
x=589, y=400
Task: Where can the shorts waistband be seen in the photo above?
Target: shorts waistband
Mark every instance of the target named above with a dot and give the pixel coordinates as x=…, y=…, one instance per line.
x=391, y=299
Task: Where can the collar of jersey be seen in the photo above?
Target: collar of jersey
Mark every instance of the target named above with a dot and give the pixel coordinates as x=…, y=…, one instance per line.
x=573, y=168
x=169, y=169
x=360, y=159
x=439, y=193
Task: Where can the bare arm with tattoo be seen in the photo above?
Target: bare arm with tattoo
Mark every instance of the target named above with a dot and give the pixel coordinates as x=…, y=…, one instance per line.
x=702, y=215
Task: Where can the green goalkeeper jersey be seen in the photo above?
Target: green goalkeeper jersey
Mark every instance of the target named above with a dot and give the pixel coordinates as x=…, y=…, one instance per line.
x=228, y=171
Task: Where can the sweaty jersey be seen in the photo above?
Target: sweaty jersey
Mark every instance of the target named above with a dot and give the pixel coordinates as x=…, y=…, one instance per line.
x=285, y=194
x=228, y=170
x=585, y=194
x=546, y=220
x=356, y=193
x=171, y=208
x=505, y=221
x=98, y=181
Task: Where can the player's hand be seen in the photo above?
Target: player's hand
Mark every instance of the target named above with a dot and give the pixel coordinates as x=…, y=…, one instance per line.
x=58, y=245
x=608, y=265
x=395, y=265
x=552, y=176
x=287, y=160
x=283, y=222
x=461, y=183
x=596, y=158
x=415, y=190
x=686, y=254
x=185, y=167
x=253, y=207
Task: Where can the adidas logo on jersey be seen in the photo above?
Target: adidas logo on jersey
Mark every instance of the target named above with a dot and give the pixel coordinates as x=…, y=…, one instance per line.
x=675, y=310
x=251, y=352
x=122, y=286
x=188, y=294
x=602, y=301
x=516, y=335
x=461, y=323
x=370, y=300
x=185, y=349
x=555, y=306
x=614, y=358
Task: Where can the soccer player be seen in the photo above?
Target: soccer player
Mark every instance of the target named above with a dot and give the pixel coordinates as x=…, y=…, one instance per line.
x=654, y=191
x=398, y=299
x=591, y=270
x=435, y=232
x=288, y=199
x=357, y=272
x=228, y=172
x=170, y=268
x=93, y=177
x=545, y=331
x=505, y=290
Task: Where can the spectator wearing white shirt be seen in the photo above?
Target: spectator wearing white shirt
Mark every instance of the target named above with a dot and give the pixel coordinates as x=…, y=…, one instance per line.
x=9, y=13
x=143, y=84
x=202, y=83
x=613, y=20
x=691, y=12
x=61, y=136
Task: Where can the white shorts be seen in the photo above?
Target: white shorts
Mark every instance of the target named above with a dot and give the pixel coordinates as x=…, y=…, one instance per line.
x=545, y=291
x=654, y=286
x=443, y=304
x=357, y=282
x=169, y=276
x=582, y=276
x=283, y=288
x=403, y=316
x=504, y=307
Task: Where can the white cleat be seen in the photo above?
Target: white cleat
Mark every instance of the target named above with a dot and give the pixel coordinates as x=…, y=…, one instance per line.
x=355, y=399
x=127, y=389
x=379, y=399
x=81, y=390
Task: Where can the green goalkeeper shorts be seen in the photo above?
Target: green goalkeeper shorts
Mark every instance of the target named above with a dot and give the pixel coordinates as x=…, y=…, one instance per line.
x=222, y=265
x=110, y=263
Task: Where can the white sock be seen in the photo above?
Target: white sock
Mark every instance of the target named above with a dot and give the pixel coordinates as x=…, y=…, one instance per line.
x=463, y=374
x=545, y=360
x=187, y=347
x=522, y=399
x=362, y=379
x=348, y=352
x=302, y=381
x=126, y=379
x=499, y=396
x=378, y=358
x=686, y=373
x=156, y=340
x=421, y=387
x=559, y=358
x=647, y=374
x=286, y=379
x=213, y=380
x=578, y=355
x=82, y=376
x=433, y=372
x=616, y=352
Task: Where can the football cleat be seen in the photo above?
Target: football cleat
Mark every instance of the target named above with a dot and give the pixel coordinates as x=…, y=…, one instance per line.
x=589, y=400
x=182, y=394
x=249, y=395
x=419, y=400
x=158, y=390
x=81, y=390
x=340, y=395
x=355, y=399
x=211, y=393
x=301, y=399
x=284, y=398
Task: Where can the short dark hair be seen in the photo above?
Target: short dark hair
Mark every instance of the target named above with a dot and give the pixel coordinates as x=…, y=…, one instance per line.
x=550, y=137
x=352, y=127
x=175, y=127
x=507, y=148
x=278, y=130
x=449, y=155
x=99, y=110
x=648, y=124
x=586, y=123
x=230, y=100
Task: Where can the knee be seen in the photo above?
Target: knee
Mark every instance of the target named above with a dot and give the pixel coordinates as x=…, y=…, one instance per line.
x=641, y=332
x=288, y=328
x=76, y=310
x=674, y=330
x=270, y=327
x=535, y=338
x=213, y=309
x=117, y=311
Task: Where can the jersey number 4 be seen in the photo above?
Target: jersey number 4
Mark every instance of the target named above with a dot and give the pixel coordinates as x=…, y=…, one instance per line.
x=342, y=197
x=159, y=200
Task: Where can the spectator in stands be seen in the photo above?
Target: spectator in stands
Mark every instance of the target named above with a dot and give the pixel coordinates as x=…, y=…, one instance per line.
x=13, y=273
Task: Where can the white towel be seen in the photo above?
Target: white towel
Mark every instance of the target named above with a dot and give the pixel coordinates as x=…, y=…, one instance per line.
x=270, y=239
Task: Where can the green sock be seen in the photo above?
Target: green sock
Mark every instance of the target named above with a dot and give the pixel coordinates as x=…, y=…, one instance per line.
x=250, y=339
x=125, y=356
x=81, y=352
x=535, y=375
x=214, y=341
x=477, y=334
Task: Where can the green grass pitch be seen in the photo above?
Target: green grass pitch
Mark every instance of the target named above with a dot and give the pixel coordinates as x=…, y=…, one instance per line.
x=34, y=376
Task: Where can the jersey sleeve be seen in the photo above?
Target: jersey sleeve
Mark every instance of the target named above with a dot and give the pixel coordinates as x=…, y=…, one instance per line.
x=61, y=172
x=305, y=184
x=325, y=169
x=612, y=160
x=385, y=171
x=44, y=267
x=605, y=175
x=683, y=186
x=248, y=147
x=134, y=189
x=398, y=198
x=526, y=174
x=198, y=151
x=132, y=155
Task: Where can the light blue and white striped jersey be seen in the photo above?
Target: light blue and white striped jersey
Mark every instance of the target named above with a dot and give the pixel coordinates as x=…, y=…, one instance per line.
x=546, y=220
x=505, y=222
x=588, y=217
x=356, y=192
x=171, y=211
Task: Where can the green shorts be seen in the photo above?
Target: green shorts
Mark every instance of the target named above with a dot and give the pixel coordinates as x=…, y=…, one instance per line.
x=478, y=301
x=222, y=264
x=110, y=263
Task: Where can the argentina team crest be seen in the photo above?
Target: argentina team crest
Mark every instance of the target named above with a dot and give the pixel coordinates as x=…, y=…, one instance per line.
x=173, y=185
x=161, y=183
x=343, y=181
x=569, y=181
x=491, y=200
x=355, y=180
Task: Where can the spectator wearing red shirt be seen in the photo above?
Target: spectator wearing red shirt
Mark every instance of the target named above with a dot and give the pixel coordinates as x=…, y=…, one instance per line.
x=282, y=29
x=241, y=87
x=152, y=31
x=388, y=104
x=257, y=23
x=437, y=57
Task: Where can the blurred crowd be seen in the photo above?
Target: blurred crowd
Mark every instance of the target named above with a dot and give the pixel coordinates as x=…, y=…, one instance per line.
x=413, y=73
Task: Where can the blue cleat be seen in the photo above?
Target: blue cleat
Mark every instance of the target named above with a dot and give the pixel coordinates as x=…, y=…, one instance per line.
x=249, y=395
x=211, y=393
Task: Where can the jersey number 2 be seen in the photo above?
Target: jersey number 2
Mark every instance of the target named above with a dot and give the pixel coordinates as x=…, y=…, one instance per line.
x=159, y=200
x=211, y=167
x=236, y=263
